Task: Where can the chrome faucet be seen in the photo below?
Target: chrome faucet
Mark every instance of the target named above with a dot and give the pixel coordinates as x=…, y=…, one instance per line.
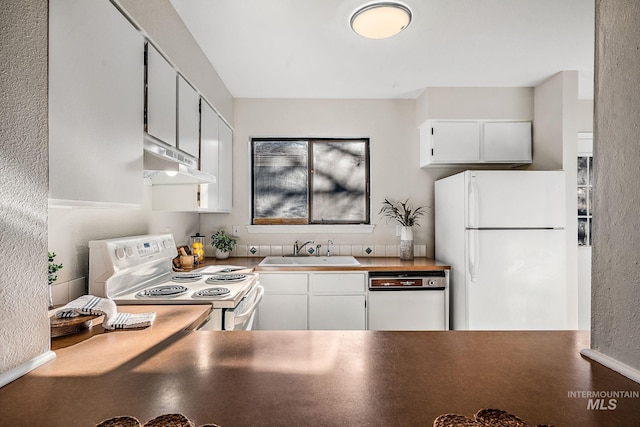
x=329, y=243
x=297, y=249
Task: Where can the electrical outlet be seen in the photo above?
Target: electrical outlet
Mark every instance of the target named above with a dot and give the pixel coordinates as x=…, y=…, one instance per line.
x=235, y=231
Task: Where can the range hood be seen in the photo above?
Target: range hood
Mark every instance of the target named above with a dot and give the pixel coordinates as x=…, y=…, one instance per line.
x=168, y=166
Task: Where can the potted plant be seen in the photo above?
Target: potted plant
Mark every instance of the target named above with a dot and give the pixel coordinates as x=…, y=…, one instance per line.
x=407, y=217
x=223, y=244
x=53, y=268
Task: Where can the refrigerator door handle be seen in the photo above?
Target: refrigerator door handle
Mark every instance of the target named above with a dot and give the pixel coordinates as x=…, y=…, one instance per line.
x=474, y=255
x=474, y=209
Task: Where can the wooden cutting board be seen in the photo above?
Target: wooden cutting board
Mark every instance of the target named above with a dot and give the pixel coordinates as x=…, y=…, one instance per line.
x=69, y=326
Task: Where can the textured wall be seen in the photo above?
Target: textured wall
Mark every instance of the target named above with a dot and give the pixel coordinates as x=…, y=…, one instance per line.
x=24, y=327
x=616, y=269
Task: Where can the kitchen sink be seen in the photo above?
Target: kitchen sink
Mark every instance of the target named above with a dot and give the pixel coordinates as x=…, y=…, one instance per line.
x=329, y=261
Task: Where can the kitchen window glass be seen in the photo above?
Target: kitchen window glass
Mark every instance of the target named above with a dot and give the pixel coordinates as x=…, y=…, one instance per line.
x=310, y=181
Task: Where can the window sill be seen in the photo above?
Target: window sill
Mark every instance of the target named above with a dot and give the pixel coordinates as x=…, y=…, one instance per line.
x=311, y=228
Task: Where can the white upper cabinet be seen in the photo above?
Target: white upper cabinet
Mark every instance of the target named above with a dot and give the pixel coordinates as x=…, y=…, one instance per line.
x=225, y=166
x=474, y=142
x=161, y=97
x=96, y=97
x=188, y=118
x=454, y=142
x=216, y=158
x=507, y=142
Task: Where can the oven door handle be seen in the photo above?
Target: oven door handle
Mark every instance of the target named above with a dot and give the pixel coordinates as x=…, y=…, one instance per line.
x=241, y=317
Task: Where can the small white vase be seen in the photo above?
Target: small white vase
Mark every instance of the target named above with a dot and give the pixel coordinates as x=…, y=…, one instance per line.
x=221, y=255
x=406, y=243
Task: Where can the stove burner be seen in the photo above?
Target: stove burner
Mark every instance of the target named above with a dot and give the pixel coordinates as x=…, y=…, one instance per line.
x=186, y=278
x=163, y=291
x=226, y=278
x=212, y=292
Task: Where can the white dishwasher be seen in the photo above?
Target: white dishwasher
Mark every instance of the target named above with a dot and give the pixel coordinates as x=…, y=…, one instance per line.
x=408, y=301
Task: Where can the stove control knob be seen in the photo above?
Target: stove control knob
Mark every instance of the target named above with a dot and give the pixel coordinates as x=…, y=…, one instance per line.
x=120, y=253
x=128, y=251
x=167, y=243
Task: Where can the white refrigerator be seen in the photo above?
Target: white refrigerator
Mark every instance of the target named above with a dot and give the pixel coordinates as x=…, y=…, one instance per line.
x=502, y=233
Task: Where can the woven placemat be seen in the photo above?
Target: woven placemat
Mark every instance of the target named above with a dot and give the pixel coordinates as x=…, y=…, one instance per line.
x=482, y=418
x=454, y=420
x=124, y=421
x=170, y=420
x=166, y=420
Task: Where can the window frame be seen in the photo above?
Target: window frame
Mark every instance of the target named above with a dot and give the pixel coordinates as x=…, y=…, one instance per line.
x=310, y=177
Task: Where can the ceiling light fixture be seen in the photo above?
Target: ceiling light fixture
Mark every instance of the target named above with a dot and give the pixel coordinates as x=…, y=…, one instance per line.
x=381, y=20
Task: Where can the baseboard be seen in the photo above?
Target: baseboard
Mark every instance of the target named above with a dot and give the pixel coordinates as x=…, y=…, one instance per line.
x=30, y=365
x=613, y=364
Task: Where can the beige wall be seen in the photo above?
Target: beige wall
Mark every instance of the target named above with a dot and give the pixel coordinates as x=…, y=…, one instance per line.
x=615, y=273
x=24, y=330
x=394, y=148
x=475, y=103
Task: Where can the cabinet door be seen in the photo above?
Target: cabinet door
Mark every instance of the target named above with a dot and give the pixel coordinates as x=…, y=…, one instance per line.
x=455, y=142
x=282, y=312
x=285, y=302
x=188, y=118
x=337, y=301
x=507, y=142
x=96, y=96
x=337, y=282
x=225, y=167
x=337, y=312
x=209, y=155
x=161, y=97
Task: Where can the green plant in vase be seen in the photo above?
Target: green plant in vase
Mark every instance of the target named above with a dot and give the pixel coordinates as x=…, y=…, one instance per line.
x=224, y=244
x=407, y=217
x=53, y=268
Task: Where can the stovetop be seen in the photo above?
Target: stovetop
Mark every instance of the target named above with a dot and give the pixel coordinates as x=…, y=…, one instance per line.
x=220, y=290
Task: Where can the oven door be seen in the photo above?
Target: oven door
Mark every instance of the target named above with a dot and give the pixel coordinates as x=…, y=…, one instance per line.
x=241, y=317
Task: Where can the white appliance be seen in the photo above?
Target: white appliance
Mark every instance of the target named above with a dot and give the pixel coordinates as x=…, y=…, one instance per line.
x=139, y=270
x=408, y=301
x=502, y=233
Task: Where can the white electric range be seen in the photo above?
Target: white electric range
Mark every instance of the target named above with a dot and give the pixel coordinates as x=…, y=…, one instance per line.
x=139, y=270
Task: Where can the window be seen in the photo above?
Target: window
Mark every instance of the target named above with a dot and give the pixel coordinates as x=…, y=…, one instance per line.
x=310, y=181
x=585, y=191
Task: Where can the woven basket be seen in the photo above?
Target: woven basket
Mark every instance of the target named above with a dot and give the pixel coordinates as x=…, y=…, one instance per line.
x=497, y=417
x=483, y=418
x=120, y=422
x=454, y=420
x=170, y=420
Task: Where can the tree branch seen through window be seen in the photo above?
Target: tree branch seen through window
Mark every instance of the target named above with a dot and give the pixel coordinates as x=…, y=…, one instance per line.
x=310, y=181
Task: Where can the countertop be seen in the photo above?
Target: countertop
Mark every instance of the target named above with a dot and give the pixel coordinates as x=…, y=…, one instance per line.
x=320, y=378
x=366, y=264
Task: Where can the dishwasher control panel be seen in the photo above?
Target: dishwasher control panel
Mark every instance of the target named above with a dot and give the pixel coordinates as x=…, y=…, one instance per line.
x=380, y=281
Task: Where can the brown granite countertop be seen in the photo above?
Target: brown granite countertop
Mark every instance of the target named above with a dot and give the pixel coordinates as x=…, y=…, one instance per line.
x=366, y=264
x=323, y=378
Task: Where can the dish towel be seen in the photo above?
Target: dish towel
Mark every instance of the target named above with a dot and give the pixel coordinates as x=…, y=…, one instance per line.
x=96, y=306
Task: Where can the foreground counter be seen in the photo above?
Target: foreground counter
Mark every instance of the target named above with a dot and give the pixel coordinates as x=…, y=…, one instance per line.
x=323, y=378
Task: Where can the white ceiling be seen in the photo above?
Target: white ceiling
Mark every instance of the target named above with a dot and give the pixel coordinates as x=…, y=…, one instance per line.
x=306, y=49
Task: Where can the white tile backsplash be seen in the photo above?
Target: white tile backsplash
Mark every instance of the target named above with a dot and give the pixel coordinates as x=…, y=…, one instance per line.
x=346, y=250
x=359, y=250
x=63, y=292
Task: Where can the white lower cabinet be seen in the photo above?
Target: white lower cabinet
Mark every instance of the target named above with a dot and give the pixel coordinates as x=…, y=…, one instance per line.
x=285, y=302
x=337, y=301
x=331, y=300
